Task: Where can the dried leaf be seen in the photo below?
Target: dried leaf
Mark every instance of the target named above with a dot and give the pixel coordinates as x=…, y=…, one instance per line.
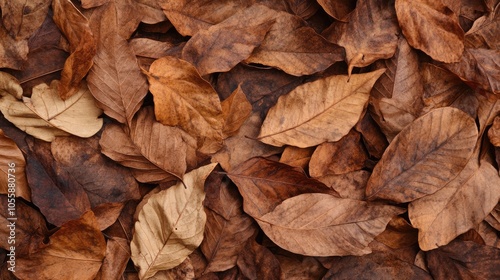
x=295, y=48
x=115, y=79
x=170, y=225
x=494, y=132
x=306, y=268
x=23, y=18
x=10, y=85
x=257, y=262
x=297, y=157
x=13, y=52
x=483, y=34
x=235, y=110
x=12, y=169
x=309, y=224
x=338, y=9
x=350, y=185
x=116, y=259
x=75, y=251
x=185, y=100
x=303, y=119
x=82, y=46
x=303, y=8
x=432, y=27
x=424, y=157
x=220, y=47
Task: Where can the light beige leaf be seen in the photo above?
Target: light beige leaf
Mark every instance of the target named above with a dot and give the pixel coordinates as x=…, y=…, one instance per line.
x=10, y=85
x=170, y=225
x=45, y=115
x=316, y=224
x=12, y=169
x=320, y=111
x=424, y=156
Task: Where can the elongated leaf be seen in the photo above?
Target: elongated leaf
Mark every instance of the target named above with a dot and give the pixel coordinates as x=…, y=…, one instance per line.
x=316, y=224
x=424, y=157
x=12, y=169
x=320, y=111
x=170, y=225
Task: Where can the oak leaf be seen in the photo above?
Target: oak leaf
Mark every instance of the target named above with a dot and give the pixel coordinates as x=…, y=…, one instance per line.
x=170, y=225
x=319, y=111
x=184, y=99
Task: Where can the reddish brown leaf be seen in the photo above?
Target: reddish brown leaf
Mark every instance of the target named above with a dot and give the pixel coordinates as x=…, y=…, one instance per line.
x=483, y=33
x=303, y=8
x=350, y=185
x=257, y=262
x=304, y=268
x=235, y=110
x=23, y=18
x=494, y=132
x=12, y=52
x=338, y=9
x=116, y=258
x=297, y=157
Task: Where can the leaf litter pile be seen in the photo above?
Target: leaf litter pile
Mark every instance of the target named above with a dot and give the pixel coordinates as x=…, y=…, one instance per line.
x=259, y=139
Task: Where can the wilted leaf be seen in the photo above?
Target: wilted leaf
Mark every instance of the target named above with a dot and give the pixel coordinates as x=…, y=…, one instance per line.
x=306, y=268
x=424, y=157
x=115, y=79
x=484, y=32
x=45, y=115
x=235, y=111
x=297, y=157
x=12, y=169
x=75, y=251
x=319, y=111
x=170, y=225
x=23, y=18
x=116, y=259
x=185, y=100
x=373, y=138
x=350, y=185
x=398, y=234
x=338, y=9
x=310, y=224
x=82, y=46
x=220, y=47
x=12, y=52
x=153, y=151
x=432, y=27
x=303, y=8
x=494, y=132
x=295, y=48
x=10, y=85
x=257, y=262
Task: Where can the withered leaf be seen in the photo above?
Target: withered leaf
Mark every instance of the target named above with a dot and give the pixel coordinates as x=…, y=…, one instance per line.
x=235, y=111
x=483, y=34
x=75, y=251
x=494, y=132
x=82, y=46
x=310, y=224
x=220, y=47
x=10, y=85
x=306, y=268
x=257, y=262
x=115, y=79
x=302, y=8
x=170, y=225
x=12, y=169
x=350, y=185
x=303, y=119
x=185, y=100
x=23, y=18
x=116, y=258
x=297, y=157
x=424, y=156
x=432, y=27
x=13, y=52
x=338, y=9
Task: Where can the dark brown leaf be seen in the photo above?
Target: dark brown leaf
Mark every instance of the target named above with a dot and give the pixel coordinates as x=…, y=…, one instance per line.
x=257, y=262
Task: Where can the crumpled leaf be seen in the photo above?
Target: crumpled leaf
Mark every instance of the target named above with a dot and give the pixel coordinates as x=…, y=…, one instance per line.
x=22, y=18
x=483, y=33
x=75, y=27
x=183, y=99
x=319, y=111
x=170, y=225
x=45, y=115
x=12, y=169
x=424, y=156
x=310, y=224
x=10, y=85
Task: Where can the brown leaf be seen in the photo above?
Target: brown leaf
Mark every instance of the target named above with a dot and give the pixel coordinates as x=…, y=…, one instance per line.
x=338, y=9
x=302, y=8
x=153, y=151
x=494, y=218
x=9, y=85
x=295, y=48
x=350, y=185
x=309, y=224
x=494, y=132
x=115, y=79
x=264, y=184
x=12, y=165
x=464, y=260
x=330, y=158
x=75, y=251
x=303, y=119
x=369, y=34
x=185, y=100
x=373, y=138
x=483, y=33
x=22, y=18
x=297, y=157
x=424, y=157
x=398, y=234
x=150, y=48
x=440, y=217
x=12, y=52
x=116, y=259
x=235, y=110
x=489, y=235
x=432, y=27
x=106, y=214
x=82, y=46
x=303, y=268
x=220, y=47
x=257, y=262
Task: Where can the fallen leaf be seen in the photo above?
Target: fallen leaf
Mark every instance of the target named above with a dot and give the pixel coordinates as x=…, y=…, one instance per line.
x=297, y=157
x=257, y=262
x=398, y=234
x=483, y=32
x=350, y=185
x=107, y=213
x=45, y=115
x=494, y=217
x=338, y=9
x=150, y=48
x=295, y=48
x=13, y=53
x=373, y=138
x=170, y=225
x=10, y=85
x=303, y=8
x=432, y=27
x=235, y=110
x=22, y=18
x=303, y=119
x=116, y=258
x=12, y=169
x=419, y=161
x=494, y=132
x=75, y=251
x=82, y=46
x=115, y=79
x=310, y=224
x=220, y=47
x=305, y=268
x=185, y=100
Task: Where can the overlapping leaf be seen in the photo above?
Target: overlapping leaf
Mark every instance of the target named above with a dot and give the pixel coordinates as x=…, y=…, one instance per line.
x=12, y=169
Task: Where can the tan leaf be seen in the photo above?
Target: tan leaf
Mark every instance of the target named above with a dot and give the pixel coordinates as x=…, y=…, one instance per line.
x=45, y=115
x=304, y=119
x=170, y=225
x=82, y=46
x=220, y=47
x=115, y=79
x=13, y=53
x=432, y=27
x=235, y=110
x=75, y=251
x=116, y=259
x=150, y=48
x=494, y=132
x=185, y=100
x=369, y=34
x=23, y=18
x=440, y=217
x=295, y=48
x=350, y=185
x=12, y=169
x=483, y=33
x=10, y=85
x=310, y=224
x=153, y=151
x=297, y=157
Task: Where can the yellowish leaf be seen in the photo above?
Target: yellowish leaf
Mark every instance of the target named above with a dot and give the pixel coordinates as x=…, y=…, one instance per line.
x=10, y=85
